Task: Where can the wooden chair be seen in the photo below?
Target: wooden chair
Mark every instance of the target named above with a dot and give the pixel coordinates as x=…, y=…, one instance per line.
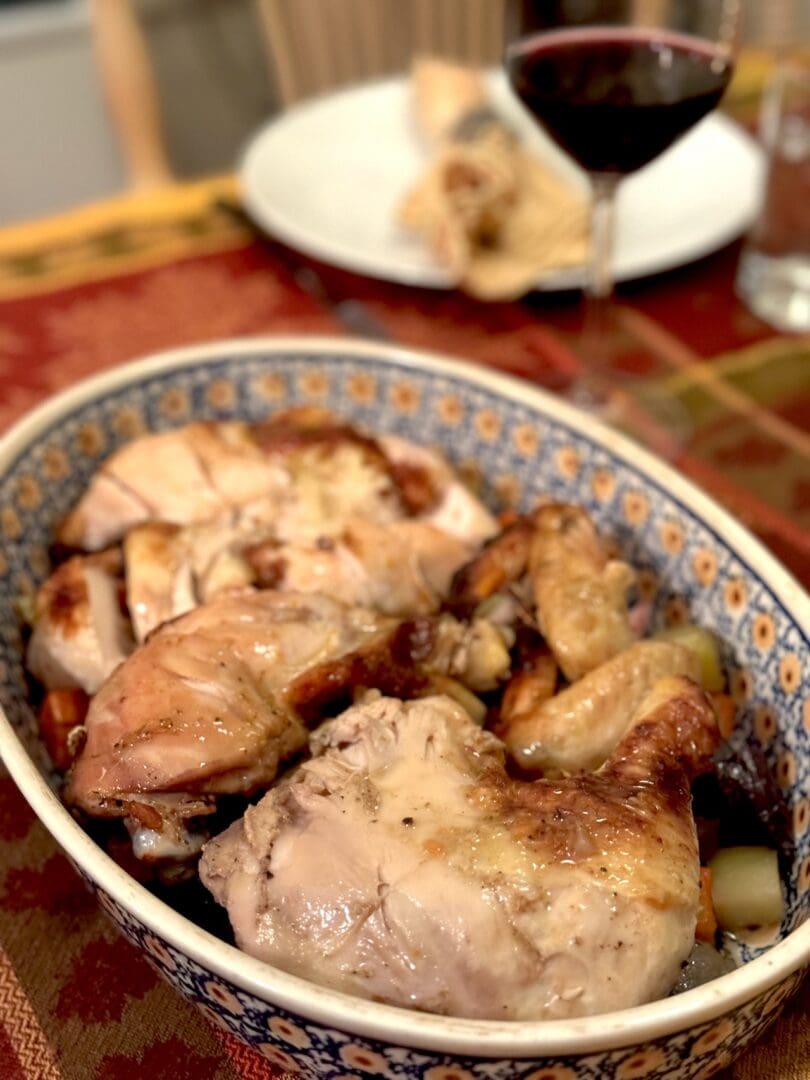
x=129, y=86
x=313, y=46
x=317, y=45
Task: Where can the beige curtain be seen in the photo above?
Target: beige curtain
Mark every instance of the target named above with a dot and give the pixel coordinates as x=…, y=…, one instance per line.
x=316, y=45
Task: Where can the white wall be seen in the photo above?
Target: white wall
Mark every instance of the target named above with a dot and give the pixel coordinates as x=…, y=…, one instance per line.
x=57, y=147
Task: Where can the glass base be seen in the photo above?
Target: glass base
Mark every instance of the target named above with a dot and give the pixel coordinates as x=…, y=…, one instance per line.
x=776, y=288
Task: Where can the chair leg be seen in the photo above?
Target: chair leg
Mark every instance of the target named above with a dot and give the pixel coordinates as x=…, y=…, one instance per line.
x=130, y=89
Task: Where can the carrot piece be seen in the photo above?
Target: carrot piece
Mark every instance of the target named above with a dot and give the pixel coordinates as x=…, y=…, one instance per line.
x=491, y=579
x=529, y=688
x=507, y=518
x=61, y=711
x=726, y=712
x=706, y=929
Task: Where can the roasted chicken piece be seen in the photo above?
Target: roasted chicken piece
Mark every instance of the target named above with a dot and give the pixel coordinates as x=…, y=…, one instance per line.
x=577, y=729
x=212, y=702
x=301, y=473
x=400, y=569
x=432, y=491
x=202, y=707
x=553, y=564
x=403, y=568
x=501, y=565
x=212, y=472
x=171, y=569
x=403, y=865
x=80, y=633
x=160, y=579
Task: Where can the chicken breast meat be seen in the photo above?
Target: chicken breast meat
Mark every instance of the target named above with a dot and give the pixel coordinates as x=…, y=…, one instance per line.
x=402, y=864
x=300, y=473
x=80, y=633
x=400, y=568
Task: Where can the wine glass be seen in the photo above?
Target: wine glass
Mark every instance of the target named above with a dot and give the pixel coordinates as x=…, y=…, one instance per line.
x=615, y=83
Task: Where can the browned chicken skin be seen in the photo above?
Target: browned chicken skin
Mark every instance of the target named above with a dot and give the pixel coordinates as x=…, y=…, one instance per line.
x=202, y=707
x=213, y=702
x=576, y=729
x=556, y=563
x=579, y=592
x=80, y=633
x=398, y=568
x=403, y=865
x=501, y=563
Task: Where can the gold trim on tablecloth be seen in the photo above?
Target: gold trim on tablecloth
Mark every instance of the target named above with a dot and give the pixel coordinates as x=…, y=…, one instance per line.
x=121, y=235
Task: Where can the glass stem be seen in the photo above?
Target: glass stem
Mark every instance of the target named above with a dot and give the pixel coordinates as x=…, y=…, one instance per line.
x=599, y=289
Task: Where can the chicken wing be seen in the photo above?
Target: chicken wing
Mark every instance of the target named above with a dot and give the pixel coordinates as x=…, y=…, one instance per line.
x=577, y=729
x=579, y=592
x=556, y=566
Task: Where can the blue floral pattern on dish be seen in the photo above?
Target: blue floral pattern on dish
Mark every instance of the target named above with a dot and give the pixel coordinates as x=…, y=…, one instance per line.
x=519, y=453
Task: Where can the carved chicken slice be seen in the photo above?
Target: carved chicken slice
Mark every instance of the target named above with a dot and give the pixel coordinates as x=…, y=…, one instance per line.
x=207, y=472
x=301, y=471
x=402, y=864
x=202, y=707
x=433, y=491
x=171, y=569
x=403, y=568
x=160, y=578
x=577, y=729
x=80, y=634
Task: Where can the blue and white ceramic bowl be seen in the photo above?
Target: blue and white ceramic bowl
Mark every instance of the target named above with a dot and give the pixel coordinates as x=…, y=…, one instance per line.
x=695, y=559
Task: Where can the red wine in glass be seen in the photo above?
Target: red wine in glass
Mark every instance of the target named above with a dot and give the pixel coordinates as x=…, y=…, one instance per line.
x=616, y=97
x=615, y=83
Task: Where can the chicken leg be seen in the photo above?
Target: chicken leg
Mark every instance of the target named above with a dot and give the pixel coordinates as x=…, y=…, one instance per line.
x=402, y=864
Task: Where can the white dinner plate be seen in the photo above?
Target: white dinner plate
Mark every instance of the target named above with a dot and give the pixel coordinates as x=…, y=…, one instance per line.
x=326, y=177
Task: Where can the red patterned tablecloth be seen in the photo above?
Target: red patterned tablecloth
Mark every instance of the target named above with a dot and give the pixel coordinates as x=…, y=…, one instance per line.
x=100, y=286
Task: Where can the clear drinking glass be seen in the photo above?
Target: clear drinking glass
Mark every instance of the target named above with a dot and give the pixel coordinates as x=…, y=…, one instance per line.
x=773, y=277
x=615, y=83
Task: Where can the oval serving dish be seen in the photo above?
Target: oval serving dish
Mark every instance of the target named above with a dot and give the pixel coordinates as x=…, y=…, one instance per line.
x=694, y=560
